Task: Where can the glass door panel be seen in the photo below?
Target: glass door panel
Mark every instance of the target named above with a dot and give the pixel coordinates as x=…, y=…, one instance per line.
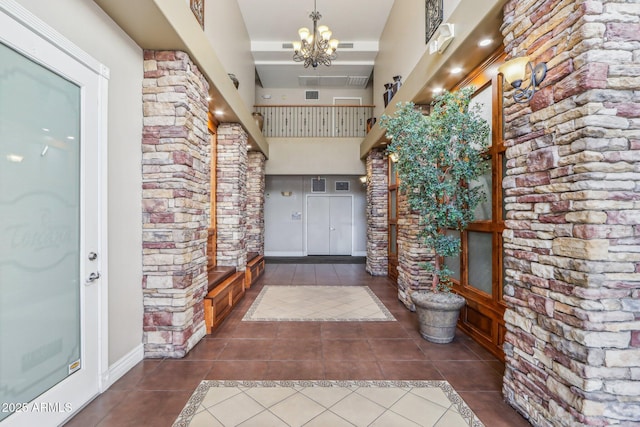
x=393, y=204
x=480, y=260
x=393, y=239
x=484, y=209
x=453, y=263
x=40, y=288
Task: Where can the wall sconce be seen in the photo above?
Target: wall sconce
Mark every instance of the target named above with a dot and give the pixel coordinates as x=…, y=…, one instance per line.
x=363, y=180
x=441, y=38
x=286, y=193
x=394, y=157
x=514, y=72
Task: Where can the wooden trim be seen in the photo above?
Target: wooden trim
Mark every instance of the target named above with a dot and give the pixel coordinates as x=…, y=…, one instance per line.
x=483, y=73
x=219, y=301
x=487, y=310
x=212, y=245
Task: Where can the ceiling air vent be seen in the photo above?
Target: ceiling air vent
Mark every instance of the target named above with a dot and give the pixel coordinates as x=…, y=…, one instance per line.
x=287, y=45
x=342, y=185
x=318, y=185
x=359, y=81
x=311, y=94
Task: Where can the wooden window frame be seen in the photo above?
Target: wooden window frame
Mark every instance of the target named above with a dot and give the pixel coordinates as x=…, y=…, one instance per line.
x=492, y=305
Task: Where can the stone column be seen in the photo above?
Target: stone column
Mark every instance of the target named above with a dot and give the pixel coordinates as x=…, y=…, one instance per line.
x=572, y=239
x=377, y=213
x=231, y=202
x=175, y=205
x=255, y=202
x=412, y=254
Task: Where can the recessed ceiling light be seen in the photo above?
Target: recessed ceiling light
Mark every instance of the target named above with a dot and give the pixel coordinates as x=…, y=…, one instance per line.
x=485, y=42
x=15, y=158
x=208, y=99
x=219, y=113
x=456, y=70
x=437, y=90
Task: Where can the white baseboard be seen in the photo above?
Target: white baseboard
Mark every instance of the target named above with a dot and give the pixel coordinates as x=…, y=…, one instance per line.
x=122, y=366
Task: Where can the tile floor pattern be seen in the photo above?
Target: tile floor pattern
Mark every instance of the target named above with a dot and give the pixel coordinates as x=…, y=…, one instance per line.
x=317, y=303
x=155, y=391
x=326, y=404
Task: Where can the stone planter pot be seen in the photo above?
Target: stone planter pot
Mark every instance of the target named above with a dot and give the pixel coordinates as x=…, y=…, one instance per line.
x=437, y=314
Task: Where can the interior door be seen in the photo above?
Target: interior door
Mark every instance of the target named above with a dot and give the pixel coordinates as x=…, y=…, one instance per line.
x=329, y=225
x=318, y=225
x=49, y=256
x=340, y=225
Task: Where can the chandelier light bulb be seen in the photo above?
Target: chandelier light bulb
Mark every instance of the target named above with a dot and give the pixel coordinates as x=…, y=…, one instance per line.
x=304, y=33
x=297, y=46
x=334, y=44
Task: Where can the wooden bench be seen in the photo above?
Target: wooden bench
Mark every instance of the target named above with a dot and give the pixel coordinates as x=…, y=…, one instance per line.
x=255, y=268
x=226, y=287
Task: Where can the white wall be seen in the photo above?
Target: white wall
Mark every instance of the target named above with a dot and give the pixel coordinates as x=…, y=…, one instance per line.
x=402, y=44
x=225, y=29
x=288, y=96
x=328, y=156
x=86, y=25
x=284, y=217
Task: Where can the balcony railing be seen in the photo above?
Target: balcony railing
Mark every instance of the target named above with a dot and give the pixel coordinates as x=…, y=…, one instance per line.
x=303, y=121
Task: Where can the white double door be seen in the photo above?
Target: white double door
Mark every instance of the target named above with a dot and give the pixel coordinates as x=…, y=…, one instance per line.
x=329, y=225
x=50, y=251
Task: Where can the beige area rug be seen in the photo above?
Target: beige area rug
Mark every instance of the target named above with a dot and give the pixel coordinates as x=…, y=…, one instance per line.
x=326, y=404
x=317, y=303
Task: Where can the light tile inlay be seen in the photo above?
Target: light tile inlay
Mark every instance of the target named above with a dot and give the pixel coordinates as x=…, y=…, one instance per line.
x=317, y=303
x=321, y=403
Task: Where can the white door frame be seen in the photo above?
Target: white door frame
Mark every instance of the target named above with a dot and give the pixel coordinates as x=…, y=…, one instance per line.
x=33, y=38
x=306, y=216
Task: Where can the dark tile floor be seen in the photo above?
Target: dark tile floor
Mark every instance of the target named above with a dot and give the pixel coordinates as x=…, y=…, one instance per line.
x=154, y=392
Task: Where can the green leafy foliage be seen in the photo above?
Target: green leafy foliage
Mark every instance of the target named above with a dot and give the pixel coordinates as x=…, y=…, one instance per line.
x=439, y=155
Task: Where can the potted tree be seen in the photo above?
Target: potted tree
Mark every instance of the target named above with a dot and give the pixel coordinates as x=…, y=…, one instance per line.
x=439, y=156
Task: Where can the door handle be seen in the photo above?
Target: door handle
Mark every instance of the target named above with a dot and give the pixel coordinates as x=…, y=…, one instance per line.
x=93, y=277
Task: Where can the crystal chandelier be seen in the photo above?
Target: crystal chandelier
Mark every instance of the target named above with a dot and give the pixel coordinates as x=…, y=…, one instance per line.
x=315, y=47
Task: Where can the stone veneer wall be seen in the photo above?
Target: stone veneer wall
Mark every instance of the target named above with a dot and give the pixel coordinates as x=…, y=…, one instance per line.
x=175, y=205
x=412, y=254
x=255, y=202
x=377, y=213
x=572, y=238
x=231, y=202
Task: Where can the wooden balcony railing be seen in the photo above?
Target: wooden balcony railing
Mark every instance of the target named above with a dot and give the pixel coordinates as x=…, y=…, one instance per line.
x=304, y=121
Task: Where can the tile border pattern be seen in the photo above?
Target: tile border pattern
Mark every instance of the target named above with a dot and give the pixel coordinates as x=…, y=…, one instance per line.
x=205, y=386
x=249, y=315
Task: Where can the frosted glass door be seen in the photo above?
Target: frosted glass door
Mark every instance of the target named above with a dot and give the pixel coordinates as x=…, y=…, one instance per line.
x=40, y=170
